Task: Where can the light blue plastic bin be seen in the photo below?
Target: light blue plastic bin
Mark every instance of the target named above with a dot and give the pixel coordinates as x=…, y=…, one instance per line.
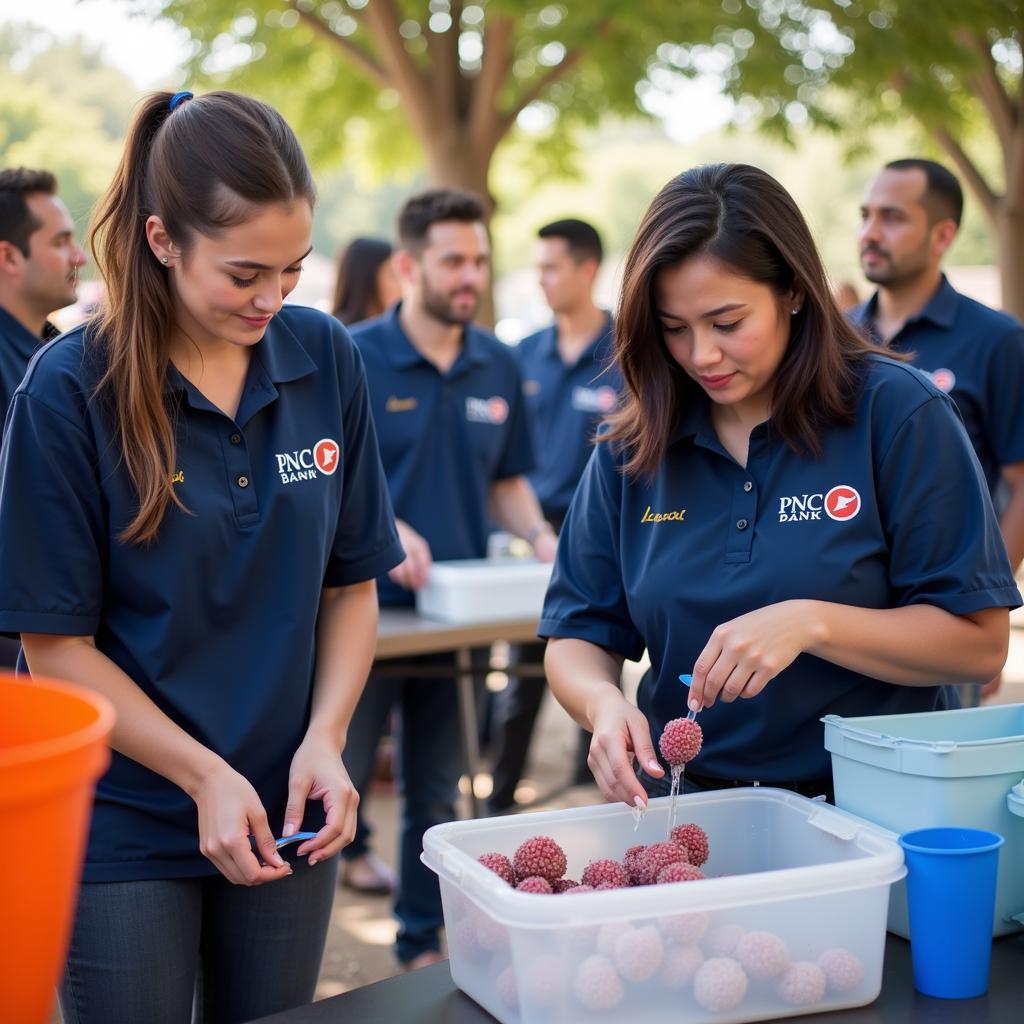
x=943, y=768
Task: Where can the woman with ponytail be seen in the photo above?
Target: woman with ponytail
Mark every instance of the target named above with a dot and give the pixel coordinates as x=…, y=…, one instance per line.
x=207, y=517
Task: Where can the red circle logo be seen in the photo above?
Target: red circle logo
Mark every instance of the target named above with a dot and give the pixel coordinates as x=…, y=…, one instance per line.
x=842, y=502
x=944, y=379
x=326, y=455
x=497, y=408
x=606, y=398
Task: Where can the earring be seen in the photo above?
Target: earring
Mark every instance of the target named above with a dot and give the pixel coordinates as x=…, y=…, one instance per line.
x=164, y=260
x=795, y=311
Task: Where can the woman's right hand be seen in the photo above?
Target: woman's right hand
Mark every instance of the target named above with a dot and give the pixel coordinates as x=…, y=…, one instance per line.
x=229, y=812
x=621, y=734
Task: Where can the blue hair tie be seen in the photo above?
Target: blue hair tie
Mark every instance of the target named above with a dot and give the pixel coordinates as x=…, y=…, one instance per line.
x=177, y=99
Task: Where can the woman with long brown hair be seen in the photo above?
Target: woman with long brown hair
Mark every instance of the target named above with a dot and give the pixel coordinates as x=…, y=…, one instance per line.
x=778, y=509
x=366, y=284
x=207, y=516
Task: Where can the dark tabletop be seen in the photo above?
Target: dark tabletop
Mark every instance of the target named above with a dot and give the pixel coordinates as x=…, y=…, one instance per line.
x=429, y=996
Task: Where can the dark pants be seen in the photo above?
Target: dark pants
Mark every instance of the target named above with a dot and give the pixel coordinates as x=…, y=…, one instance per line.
x=429, y=764
x=177, y=950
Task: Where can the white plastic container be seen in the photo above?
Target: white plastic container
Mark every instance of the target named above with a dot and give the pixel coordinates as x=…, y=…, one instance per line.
x=798, y=868
x=484, y=590
x=940, y=768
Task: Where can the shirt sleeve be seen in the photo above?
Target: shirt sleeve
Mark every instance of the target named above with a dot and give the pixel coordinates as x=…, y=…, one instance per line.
x=945, y=548
x=365, y=541
x=586, y=599
x=517, y=457
x=53, y=535
x=1005, y=399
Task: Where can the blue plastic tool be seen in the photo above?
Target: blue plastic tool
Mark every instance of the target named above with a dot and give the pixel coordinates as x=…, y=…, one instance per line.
x=297, y=837
x=686, y=679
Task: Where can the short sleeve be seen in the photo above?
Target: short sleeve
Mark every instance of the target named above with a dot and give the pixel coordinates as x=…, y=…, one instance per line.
x=1005, y=399
x=517, y=456
x=945, y=548
x=586, y=599
x=53, y=534
x=365, y=541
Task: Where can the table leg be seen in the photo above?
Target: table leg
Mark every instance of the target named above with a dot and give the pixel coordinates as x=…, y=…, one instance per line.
x=464, y=684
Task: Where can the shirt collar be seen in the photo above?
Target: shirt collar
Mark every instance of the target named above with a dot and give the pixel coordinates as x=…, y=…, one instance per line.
x=549, y=341
x=403, y=355
x=13, y=327
x=940, y=309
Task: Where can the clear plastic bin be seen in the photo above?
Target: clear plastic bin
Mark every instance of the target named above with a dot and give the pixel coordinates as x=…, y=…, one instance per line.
x=484, y=590
x=937, y=769
x=800, y=869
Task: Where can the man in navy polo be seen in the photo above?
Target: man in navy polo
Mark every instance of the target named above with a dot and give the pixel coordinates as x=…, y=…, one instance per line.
x=39, y=264
x=569, y=383
x=447, y=401
x=909, y=218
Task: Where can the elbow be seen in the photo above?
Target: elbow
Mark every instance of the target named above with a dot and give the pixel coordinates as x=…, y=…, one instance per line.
x=992, y=627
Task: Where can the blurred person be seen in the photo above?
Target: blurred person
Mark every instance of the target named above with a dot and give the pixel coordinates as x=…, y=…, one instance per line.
x=366, y=285
x=846, y=295
x=448, y=404
x=207, y=517
x=570, y=384
x=778, y=507
x=909, y=218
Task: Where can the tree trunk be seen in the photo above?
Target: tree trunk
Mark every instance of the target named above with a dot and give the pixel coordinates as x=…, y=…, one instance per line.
x=1010, y=239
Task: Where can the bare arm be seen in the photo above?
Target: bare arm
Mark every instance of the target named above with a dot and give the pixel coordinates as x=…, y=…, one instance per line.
x=1011, y=525
x=229, y=808
x=515, y=508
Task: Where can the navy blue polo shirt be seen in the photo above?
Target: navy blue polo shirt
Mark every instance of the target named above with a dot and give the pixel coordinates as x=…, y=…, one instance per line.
x=894, y=513
x=215, y=620
x=444, y=437
x=565, y=404
x=976, y=355
x=17, y=346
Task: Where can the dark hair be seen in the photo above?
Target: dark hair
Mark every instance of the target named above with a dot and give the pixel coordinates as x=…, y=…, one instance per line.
x=16, y=220
x=356, y=296
x=581, y=238
x=943, y=197
x=435, y=205
x=203, y=167
x=743, y=218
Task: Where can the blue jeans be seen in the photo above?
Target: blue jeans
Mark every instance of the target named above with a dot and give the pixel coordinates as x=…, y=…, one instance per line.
x=429, y=764
x=171, y=951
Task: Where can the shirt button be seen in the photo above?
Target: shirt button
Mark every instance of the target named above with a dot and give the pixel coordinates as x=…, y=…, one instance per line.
x=236, y=438
x=748, y=487
x=741, y=524
x=243, y=481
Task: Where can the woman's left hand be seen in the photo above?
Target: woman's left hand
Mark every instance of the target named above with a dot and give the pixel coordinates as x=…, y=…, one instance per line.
x=744, y=654
x=317, y=773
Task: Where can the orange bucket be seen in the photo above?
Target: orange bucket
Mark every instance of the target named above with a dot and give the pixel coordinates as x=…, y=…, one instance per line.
x=53, y=748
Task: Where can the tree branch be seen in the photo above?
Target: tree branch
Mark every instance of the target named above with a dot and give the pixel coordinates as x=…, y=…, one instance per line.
x=355, y=54
x=966, y=166
x=443, y=48
x=497, y=62
x=989, y=89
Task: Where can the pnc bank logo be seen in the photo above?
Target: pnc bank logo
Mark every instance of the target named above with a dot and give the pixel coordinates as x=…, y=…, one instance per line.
x=842, y=502
x=487, y=410
x=309, y=463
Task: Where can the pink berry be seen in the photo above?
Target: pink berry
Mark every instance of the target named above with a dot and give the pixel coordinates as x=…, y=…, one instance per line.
x=681, y=741
x=656, y=857
x=597, y=984
x=762, y=955
x=500, y=865
x=539, y=856
x=631, y=862
x=684, y=928
x=802, y=984
x=843, y=970
x=695, y=839
x=578, y=889
x=720, y=984
x=536, y=885
x=491, y=935
x=609, y=934
x=679, y=872
x=605, y=872
x=542, y=982
x=560, y=885
x=508, y=993
x=721, y=941
x=680, y=965
x=465, y=942
x=638, y=953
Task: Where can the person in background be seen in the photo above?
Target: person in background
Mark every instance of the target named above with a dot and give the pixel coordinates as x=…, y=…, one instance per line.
x=207, y=518
x=366, y=284
x=909, y=218
x=570, y=383
x=846, y=295
x=448, y=404
x=778, y=508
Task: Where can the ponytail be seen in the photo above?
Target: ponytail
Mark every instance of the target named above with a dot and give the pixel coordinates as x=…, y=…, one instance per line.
x=201, y=165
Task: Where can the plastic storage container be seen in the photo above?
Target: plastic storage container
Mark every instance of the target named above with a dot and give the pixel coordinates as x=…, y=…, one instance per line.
x=484, y=590
x=798, y=868
x=942, y=768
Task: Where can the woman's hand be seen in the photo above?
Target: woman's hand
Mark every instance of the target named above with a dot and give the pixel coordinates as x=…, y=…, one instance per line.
x=620, y=734
x=229, y=812
x=318, y=774
x=748, y=652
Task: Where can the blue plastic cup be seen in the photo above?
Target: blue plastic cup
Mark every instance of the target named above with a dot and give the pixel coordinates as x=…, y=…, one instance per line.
x=951, y=894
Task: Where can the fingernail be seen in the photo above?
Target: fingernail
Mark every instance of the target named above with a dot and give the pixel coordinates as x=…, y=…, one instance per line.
x=639, y=802
x=654, y=766
x=288, y=830
x=694, y=704
x=312, y=861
